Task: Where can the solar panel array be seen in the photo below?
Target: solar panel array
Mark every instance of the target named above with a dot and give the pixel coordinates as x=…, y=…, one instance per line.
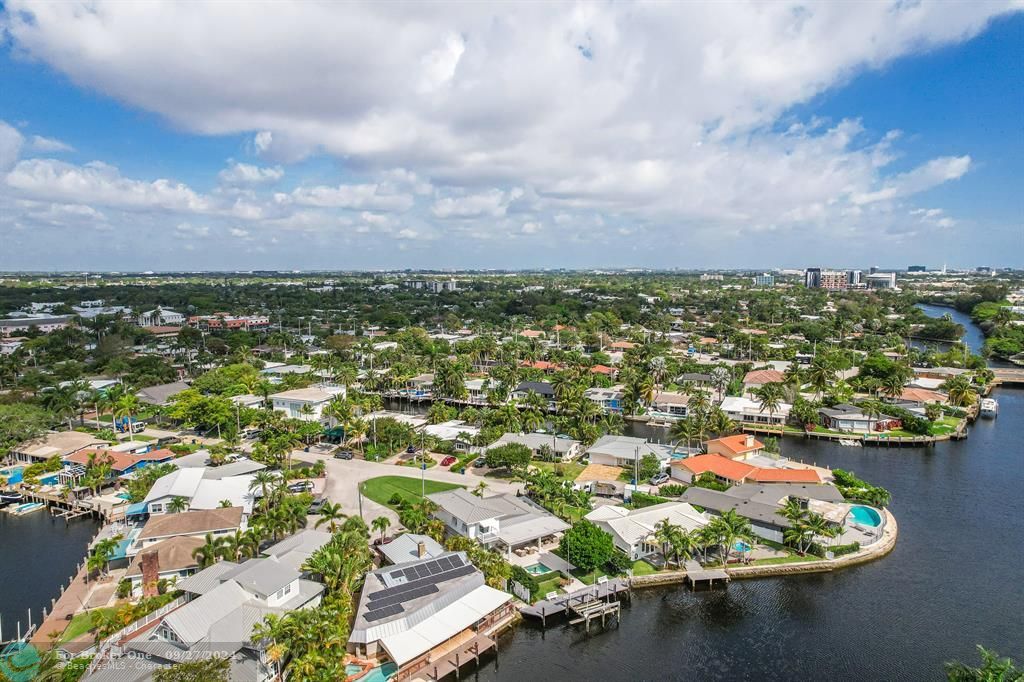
x=422, y=579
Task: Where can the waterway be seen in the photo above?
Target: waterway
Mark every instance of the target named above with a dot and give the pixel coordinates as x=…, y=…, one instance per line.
x=973, y=336
x=37, y=555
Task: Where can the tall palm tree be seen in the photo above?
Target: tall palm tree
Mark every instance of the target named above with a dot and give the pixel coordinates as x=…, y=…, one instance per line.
x=731, y=527
x=381, y=524
x=177, y=504
x=209, y=553
x=126, y=407
x=263, y=480
x=330, y=514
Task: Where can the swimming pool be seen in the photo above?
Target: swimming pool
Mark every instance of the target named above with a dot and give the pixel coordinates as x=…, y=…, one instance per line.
x=537, y=569
x=741, y=546
x=380, y=674
x=12, y=474
x=865, y=516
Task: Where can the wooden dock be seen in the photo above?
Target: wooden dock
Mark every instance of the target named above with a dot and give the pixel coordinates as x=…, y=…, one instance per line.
x=697, y=575
x=583, y=606
x=1008, y=376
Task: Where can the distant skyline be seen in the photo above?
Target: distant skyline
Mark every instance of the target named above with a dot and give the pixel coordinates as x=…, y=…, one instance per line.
x=206, y=136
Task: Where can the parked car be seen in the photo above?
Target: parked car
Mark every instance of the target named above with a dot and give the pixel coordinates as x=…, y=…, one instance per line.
x=343, y=453
x=300, y=486
x=448, y=461
x=411, y=450
x=659, y=478
x=167, y=440
x=479, y=463
x=317, y=505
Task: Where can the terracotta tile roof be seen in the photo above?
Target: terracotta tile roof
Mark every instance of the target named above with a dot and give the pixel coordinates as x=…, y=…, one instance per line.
x=119, y=461
x=923, y=395
x=623, y=345
x=192, y=522
x=707, y=340
x=718, y=465
x=541, y=364
x=531, y=333
x=602, y=369
x=764, y=376
x=785, y=476
x=737, y=444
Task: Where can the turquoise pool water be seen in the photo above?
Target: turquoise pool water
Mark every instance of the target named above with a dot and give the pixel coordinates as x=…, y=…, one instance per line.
x=12, y=474
x=380, y=674
x=741, y=546
x=352, y=669
x=537, y=569
x=865, y=516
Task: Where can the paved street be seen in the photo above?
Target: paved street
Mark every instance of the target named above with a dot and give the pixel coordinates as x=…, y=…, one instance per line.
x=344, y=477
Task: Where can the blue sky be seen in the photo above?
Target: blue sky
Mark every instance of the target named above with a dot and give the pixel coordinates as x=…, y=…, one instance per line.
x=689, y=135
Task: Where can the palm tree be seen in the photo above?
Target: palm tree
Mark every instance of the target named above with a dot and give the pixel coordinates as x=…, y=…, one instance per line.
x=211, y=552
x=960, y=391
x=125, y=408
x=381, y=525
x=480, y=488
x=769, y=397
x=330, y=514
x=177, y=504
x=665, y=533
x=872, y=410
x=731, y=527
x=821, y=373
x=263, y=480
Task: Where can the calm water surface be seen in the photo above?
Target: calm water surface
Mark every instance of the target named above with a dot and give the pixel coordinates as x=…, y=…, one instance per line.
x=37, y=554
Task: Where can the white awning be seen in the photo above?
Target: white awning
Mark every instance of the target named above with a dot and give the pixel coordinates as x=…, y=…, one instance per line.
x=443, y=625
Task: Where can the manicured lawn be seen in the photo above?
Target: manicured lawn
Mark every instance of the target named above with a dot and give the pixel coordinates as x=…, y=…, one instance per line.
x=791, y=559
x=574, y=514
x=589, y=577
x=549, y=585
x=381, y=489
x=641, y=567
x=568, y=470
x=81, y=624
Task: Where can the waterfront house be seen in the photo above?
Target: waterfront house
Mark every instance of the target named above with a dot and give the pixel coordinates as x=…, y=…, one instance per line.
x=170, y=559
x=200, y=491
x=561, y=448
x=746, y=411
x=197, y=524
x=501, y=522
x=54, y=444
x=420, y=386
x=121, y=463
x=632, y=530
x=221, y=604
x=739, y=446
x=409, y=548
x=608, y=399
x=423, y=614
x=850, y=419
x=626, y=451
x=306, y=403
x=476, y=391
x=541, y=388
x=670, y=405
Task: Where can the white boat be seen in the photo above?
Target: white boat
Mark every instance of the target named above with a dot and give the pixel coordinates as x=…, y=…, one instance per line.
x=26, y=508
x=989, y=407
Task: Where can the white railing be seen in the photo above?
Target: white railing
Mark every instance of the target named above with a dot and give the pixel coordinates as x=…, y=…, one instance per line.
x=105, y=647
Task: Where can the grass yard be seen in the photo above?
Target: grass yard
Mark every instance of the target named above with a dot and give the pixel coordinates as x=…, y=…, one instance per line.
x=641, y=567
x=81, y=624
x=382, y=488
x=567, y=470
x=791, y=559
x=549, y=585
x=589, y=577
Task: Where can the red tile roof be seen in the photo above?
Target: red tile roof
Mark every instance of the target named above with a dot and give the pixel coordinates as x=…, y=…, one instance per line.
x=623, y=345
x=737, y=444
x=541, y=364
x=764, y=376
x=720, y=466
x=785, y=476
x=602, y=369
x=531, y=333
x=923, y=395
x=119, y=461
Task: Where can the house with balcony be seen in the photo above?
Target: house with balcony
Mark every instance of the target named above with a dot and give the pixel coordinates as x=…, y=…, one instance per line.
x=502, y=522
x=747, y=411
x=608, y=399
x=306, y=403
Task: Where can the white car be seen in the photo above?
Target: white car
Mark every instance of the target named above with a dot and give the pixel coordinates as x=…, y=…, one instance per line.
x=658, y=479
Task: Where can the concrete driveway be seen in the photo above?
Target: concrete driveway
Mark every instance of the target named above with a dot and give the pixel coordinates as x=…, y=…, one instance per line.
x=345, y=476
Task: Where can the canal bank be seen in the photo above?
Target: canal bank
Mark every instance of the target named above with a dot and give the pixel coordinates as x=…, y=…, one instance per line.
x=949, y=583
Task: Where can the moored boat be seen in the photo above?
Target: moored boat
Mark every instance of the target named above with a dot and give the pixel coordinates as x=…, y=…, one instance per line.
x=10, y=497
x=26, y=508
x=989, y=407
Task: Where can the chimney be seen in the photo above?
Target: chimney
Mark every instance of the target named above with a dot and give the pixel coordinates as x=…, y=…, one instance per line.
x=150, y=565
x=421, y=549
x=750, y=440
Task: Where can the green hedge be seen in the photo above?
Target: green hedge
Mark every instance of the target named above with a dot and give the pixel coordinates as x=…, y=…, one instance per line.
x=840, y=550
x=523, y=577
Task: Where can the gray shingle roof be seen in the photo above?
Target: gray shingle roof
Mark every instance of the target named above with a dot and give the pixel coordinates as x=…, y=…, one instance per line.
x=759, y=512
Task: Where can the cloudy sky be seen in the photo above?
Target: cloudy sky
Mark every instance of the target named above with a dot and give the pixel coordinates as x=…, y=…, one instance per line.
x=152, y=135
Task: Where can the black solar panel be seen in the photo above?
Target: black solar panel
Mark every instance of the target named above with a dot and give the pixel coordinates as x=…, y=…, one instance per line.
x=402, y=597
x=398, y=592
x=383, y=613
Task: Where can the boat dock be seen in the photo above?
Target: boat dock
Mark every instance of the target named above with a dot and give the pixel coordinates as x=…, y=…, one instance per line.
x=1007, y=376
x=600, y=600
x=697, y=575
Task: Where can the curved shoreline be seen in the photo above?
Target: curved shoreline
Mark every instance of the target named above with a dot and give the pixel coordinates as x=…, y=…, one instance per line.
x=875, y=551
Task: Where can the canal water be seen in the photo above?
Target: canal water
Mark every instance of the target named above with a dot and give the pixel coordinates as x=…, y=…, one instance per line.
x=973, y=336
x=37, y=554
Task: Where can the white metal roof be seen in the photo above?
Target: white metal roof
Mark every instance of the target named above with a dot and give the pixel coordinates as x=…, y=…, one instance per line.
x=443, y=625
x=180, y=483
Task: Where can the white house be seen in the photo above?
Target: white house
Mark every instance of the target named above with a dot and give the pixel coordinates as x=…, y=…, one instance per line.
x=454, y=431
x=743, y=409
x=306, y=403
x=625, y=451
x=633, y=529
x=562, y=448
x=502, y=522
x=161, y=317
x=200, y=490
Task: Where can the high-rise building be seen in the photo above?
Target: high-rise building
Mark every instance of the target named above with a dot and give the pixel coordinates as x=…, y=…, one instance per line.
x=764, y=280
x=812, y=278
x=834, y=280
x=854, y=278
x=917, y=268
x=881, y=280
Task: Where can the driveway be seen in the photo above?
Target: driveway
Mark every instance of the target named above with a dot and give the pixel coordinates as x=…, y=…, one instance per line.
x=345, y=476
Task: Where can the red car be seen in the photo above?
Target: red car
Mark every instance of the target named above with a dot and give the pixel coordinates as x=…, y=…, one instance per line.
x=448, y=461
